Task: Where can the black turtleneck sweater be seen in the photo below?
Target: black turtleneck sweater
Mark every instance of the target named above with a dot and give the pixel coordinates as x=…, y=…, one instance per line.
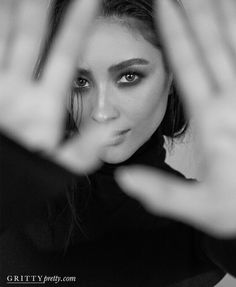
x=54, y=222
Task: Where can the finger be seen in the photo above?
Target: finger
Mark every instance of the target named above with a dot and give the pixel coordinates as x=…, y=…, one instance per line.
x=166, y=196
x=206, y=23
x=218, y=133
x=62, y=62
x=184, y=56
x=228, y=10
x=30, y=30
x=6, y=26
x=84, y=152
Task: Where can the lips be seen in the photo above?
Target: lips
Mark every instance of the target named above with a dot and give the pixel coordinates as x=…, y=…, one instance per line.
x=123, y=132
x=119, y=137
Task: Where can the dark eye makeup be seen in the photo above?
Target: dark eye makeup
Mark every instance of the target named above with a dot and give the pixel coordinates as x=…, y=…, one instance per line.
x=81, y=85
x=130, y=78
x=126, y=79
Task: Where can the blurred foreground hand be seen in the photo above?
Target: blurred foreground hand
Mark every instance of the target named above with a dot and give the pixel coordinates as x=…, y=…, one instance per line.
x=33, y=112
x=201, y=47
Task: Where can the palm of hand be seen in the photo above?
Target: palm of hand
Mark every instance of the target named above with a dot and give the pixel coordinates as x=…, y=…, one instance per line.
x=33, y=112
x=201, y=48
x=37, y=127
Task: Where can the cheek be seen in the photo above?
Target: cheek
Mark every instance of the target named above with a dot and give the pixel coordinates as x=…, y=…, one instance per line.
x=148, y=106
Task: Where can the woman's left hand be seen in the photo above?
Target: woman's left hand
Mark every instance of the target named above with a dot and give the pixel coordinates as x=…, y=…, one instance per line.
x=201, y=48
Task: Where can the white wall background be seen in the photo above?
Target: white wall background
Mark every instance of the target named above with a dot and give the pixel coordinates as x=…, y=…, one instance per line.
x=188, y=150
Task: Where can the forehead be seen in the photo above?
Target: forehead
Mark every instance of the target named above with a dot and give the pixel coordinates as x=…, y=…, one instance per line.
x=112, y=41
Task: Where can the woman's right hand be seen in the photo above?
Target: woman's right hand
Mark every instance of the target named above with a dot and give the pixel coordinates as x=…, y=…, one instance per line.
x=33, y=112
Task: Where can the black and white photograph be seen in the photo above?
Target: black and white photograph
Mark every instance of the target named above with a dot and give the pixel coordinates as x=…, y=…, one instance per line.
x=118, y=143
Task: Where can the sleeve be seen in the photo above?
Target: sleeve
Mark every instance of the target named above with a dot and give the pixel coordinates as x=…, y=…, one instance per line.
x=222, y=252
x=27, y=179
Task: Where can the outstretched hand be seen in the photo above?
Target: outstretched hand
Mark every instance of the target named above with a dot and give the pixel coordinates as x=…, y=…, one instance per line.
x=33, y=112
x=201, y=47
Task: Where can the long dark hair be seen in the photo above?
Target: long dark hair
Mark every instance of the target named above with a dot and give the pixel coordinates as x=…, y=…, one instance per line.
x=174, y=123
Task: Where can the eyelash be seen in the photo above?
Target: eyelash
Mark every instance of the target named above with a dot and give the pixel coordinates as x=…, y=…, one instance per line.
x=137, y=78
x=76, y=83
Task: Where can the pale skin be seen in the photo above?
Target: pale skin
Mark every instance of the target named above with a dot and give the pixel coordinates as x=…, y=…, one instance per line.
x=33, y=113
x=122, y=81
x=210, y=95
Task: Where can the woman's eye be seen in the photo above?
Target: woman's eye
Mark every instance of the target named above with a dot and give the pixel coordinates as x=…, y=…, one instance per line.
x=81, y=83
x=129, y=78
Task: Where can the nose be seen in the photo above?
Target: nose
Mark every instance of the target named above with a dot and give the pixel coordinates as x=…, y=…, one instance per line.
x=105, y=109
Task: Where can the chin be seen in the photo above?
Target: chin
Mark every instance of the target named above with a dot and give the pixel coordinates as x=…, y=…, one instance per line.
x=114, y=156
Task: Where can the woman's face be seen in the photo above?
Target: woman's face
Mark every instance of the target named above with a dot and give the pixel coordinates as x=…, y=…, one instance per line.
x=122, y=81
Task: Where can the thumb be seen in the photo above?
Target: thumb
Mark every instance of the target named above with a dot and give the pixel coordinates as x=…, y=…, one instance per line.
x=82, y=154
x=164, y=195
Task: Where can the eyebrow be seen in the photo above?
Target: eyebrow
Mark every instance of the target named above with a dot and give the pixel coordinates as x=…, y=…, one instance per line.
x=117, y=67
x=125, y=64
x=84, y=73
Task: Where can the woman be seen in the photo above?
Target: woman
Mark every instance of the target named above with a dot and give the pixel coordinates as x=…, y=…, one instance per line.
x=122, y=92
